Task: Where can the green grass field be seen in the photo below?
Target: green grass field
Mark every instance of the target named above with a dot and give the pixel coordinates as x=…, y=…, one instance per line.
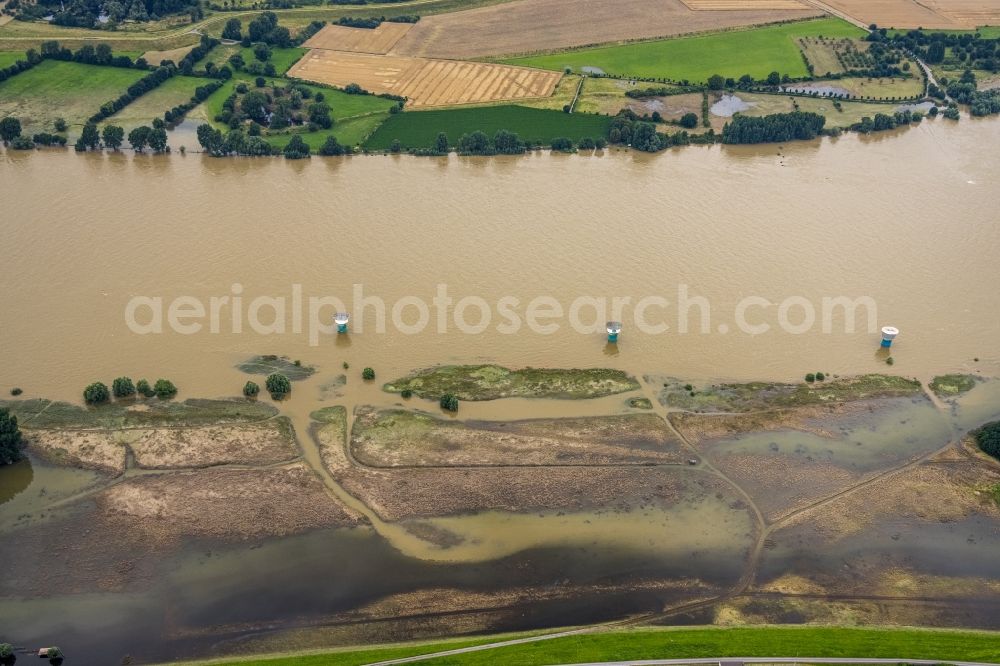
x=419, y=129
x=169, y=94
x=283, y=59
x=69, y=90
x=757, y=51
x=342, y=105
x=349, y=132
x=8, y=58
x=670, y=643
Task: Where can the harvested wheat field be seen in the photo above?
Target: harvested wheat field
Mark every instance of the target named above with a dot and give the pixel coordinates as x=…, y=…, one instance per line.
x=359, y=40
x=530, y=26
x=943, y=14
x=738, y=5
x=970, y=13
x=425, y=82
x=156, y=57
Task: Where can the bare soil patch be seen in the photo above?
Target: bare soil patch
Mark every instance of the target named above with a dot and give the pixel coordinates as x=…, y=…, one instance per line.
x=429, y=492
x=425, y=82
x=392, y=438
x=359, y=40
x=528, y=26
x=222, y=503
x=257, y=444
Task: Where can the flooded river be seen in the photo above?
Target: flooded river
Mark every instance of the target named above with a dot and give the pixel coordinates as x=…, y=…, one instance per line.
x=907, y=219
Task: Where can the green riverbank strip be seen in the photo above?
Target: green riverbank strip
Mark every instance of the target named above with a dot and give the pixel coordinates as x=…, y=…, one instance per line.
x=669, y=643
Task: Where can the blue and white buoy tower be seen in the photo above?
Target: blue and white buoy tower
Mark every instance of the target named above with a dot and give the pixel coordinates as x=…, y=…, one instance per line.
x=889, y=334
x=341, y=319
x=614, y=328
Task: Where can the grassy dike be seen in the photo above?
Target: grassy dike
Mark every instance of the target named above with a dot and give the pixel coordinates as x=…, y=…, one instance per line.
x=943, y=645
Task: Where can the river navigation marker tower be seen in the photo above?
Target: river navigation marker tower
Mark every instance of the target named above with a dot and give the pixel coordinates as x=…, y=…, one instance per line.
x=889, y=334
x=614, y=328
x=341, y=319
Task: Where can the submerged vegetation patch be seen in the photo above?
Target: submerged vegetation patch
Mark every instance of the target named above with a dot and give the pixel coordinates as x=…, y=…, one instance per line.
x=762, y=395
x=949, y=386
x=490, y=382
x=270, y=364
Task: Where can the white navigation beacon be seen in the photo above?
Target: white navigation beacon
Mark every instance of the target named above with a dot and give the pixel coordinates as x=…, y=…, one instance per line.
x=341, y=319
x=889, y=334
x=614, y=328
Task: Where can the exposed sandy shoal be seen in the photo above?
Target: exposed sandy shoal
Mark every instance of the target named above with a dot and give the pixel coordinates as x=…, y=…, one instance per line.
x=222, y=503
x=263, y=443
x=526, y=26
x=102, y=450
x=390, y=438
x=257, y=444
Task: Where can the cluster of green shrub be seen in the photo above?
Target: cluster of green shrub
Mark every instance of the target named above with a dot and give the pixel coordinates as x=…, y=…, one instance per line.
x=776, y=127
x=122, y=388
x=887, y=121
x=815, y=377
x=504, y=142
x=105, y=14
x=628, y=128
x=10, y=134
x=988, y=439
x=355, y=89
x=449, y=402
x=234, y=142
x=882, y=59
x=972, y=49
x=276, y=108
x=657, y=91
x=966, y=91
x=10, y=438
x=278, y=385
x=372, y=22
x=195, y=55
x=265, y=30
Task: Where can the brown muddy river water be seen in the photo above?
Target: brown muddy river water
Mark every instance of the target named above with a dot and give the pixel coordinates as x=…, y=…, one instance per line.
x=906, y=220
